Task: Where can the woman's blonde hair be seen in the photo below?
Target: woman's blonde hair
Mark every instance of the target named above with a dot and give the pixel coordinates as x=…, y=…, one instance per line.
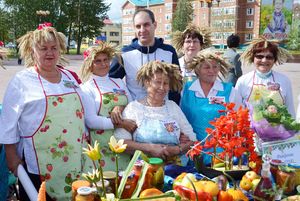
x=192, y=31
x=28, y=42
x=262, y=44
x=147, y=71
x=90, y=54
x=206, y=56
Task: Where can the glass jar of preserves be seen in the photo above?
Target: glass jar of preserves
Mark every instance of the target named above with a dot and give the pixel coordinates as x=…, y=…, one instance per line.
x=76, y=185
x=130, y=184
x=111, y=177
x=84, y=194
x=286, y=178
x=297, y=171
x=157, y=169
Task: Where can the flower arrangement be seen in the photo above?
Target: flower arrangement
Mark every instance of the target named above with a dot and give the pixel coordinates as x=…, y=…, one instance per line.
x=118, y=147
x=232, y=133
x=272, y=121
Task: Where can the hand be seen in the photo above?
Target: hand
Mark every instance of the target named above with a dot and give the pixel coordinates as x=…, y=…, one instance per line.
x=128, y=125
x=183, y=138
x=12, y=158
x=116, y=114
x=158, y=150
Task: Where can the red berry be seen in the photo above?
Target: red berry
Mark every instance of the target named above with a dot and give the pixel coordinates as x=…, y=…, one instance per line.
x=52, y=150
x=54, y=103
x=65, y=131
x=47, y=176
x=65, y=158
x=69, y=175
x=64, y=143
x=116, y=98
x=102, y=163
x=49, y=167
x=59, y=99
x=60, y=145
x=78, y=140
x=43, y=130
x=46, y=127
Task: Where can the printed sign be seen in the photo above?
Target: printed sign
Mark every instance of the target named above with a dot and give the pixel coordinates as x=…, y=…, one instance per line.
x=276, y=18
x=286, y=151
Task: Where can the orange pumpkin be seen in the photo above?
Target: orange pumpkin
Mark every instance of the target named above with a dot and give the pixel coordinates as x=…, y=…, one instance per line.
x=237, y=194
x=224, y=196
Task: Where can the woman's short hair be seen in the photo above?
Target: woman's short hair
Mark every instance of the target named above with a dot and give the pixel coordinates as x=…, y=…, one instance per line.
x=148, y=70
x=43, y=34
x=233, y=41
x=268, y=46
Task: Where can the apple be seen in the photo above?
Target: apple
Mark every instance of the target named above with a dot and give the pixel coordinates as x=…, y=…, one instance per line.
x=255, y=183
x=251, y=175
x=246, y=184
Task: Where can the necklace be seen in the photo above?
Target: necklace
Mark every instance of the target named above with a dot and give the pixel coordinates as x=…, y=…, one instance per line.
x=147, y=103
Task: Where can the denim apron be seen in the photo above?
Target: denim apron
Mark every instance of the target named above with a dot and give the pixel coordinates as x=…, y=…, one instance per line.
x=199, y=111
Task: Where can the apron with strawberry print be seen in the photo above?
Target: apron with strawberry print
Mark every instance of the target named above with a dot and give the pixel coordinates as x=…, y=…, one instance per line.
x=107, y=102
x=58, y=142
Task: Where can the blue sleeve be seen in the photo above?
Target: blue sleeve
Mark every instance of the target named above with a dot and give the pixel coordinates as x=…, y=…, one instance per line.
x=116, y=69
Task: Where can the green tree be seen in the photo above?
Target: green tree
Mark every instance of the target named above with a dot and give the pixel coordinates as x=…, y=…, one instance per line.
x=183, y=15
x=4, y=25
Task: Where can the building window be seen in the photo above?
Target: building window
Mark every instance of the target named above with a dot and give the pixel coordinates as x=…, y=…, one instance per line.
x=201, y=4
x=114, y=33
x=250, y=11
x=249, y=24
x=160, y=10
x=168, y=27
x=168, y=16
x=168, y=6
x=248, y=37
x=229, y=11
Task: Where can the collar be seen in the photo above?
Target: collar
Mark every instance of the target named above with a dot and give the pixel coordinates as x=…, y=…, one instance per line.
x=218, y=86
x=97, y=77
x=263, y=75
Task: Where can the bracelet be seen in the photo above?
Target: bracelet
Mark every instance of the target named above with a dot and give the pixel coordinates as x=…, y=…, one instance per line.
x=180, y=149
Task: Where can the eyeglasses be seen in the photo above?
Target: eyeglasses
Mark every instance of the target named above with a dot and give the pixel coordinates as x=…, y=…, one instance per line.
x=191, y=41
x=97, y=62
x=260, y=57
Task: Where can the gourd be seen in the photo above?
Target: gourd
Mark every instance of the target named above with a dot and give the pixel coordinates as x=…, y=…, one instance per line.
x=42, y=192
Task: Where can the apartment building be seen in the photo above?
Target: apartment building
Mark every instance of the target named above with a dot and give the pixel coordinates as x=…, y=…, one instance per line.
x=224, y=17
x=111, y=32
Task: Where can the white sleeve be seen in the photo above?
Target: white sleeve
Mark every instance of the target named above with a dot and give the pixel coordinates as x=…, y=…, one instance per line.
x=13, y=104
x=185, y=126
x=92, y=119
x=235, y=98
x=298, y=109
x=128, y=113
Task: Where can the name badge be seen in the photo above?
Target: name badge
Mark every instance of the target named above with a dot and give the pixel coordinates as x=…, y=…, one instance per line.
x=171, y=126
x=70, y=84
x=273, y=86
x=216, y=100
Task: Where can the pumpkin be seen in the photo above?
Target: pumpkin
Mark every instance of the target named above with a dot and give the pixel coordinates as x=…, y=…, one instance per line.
x=42, y=192
x=207, y=186
x=237, y=194
x=224, y=196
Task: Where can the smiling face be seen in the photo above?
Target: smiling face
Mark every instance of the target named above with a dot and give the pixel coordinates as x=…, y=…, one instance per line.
x=46, y=54
x=278, y=5
x=101, y=65
x=208, y=71
x=158, y=87
x=191, y=47
x=264, y=61
x=144, y=28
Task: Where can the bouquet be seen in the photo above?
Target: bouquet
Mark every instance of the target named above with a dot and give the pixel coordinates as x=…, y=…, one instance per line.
x=273, y=122
x=231, y=133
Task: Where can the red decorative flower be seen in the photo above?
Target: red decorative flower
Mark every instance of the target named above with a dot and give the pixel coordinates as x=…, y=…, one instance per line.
x=44, y=25
x=232, y=132
x=86, y=53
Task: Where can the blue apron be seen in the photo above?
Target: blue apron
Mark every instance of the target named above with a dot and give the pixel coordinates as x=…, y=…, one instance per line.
x=199, y=112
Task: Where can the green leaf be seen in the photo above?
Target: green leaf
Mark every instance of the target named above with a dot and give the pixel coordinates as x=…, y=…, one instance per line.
x=68, y=180
x=140, y=181
x=67, y=189
x=127, y=172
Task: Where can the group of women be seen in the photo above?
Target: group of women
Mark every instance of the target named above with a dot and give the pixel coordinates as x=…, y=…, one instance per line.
x=46, y=110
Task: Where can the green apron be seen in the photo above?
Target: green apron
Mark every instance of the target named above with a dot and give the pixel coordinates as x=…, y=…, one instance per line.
x=58, y=142
x=107, y=102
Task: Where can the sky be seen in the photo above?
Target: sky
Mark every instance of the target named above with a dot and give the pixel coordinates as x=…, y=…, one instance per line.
x=115, y=9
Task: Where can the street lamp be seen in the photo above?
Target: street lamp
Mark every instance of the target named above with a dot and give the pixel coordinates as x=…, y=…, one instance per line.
x=42, y=13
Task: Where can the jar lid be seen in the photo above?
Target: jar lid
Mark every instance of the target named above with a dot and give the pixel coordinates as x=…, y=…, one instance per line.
x=130, y=176
x=80, y=183
x=106, y=183
x=84, y=190
x=109, y=174
x=155, y=161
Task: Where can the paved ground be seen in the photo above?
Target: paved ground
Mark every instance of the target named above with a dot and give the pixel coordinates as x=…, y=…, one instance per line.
x=292, y=70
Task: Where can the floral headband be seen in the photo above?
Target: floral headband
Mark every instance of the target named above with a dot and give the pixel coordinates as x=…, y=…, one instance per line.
x=44, y=25
x=86, y=53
